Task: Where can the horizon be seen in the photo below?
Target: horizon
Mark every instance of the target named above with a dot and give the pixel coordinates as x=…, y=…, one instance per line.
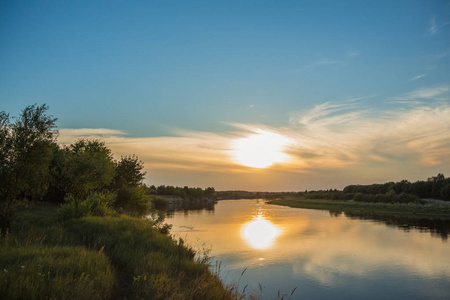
x=241, y=96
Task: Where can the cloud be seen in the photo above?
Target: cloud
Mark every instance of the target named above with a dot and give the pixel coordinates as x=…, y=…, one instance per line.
x=433, y=93
x=419, y=76
x=331, y=142
x=324, y=62
x=69, y=135
x=434, y=27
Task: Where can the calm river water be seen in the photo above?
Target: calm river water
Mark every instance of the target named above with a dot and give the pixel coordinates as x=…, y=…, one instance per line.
x=320, y=255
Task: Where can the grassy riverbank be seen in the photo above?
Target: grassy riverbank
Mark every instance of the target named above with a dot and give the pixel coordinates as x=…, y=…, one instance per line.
x=410, y=209
x=113, y=257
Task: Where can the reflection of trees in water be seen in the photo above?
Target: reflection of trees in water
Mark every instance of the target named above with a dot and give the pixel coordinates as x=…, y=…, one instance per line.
x=438, y=228
x=190, y=208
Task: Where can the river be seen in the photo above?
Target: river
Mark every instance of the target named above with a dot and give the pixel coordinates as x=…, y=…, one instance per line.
x=274, y=251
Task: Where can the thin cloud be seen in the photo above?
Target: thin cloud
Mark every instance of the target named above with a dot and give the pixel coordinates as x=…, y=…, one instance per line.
x=69, y=135
x=434, y=27
x=419, y=76
x=433, y=93
x=330, y=137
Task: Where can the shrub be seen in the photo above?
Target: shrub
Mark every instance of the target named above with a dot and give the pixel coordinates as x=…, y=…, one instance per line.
x=159, y=202
x=101, y=204
x=387, y=198
x=133, y=200
x=445, y=192
x=73, y=208
x=96, y=204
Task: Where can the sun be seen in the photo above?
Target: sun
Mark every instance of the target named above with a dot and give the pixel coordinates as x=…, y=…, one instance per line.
x=260, y=150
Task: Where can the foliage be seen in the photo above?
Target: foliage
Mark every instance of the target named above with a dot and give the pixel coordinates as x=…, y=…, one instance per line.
x=445, y=192
x=25, y=155
x=57, y=272
x=156, y=218
x=185, y=192
x=95, y=204
x=132, y=199
x=431, y=188
x=88, y=167
x=387, y=198
x=159, y=202
x=146, y=263
x=128, y=172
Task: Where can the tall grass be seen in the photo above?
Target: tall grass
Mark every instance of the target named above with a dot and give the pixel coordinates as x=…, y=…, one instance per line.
x=39, y=272
x=100, y=258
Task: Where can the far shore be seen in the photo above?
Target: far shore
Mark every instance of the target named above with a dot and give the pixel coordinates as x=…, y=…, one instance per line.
x=430, y=210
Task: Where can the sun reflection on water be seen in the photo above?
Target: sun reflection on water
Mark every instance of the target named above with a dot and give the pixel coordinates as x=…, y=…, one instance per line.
x=260, y=233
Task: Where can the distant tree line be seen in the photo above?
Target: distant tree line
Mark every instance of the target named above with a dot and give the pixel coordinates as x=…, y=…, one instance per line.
x=436, y=187
x=222, y=195
x=183, y=192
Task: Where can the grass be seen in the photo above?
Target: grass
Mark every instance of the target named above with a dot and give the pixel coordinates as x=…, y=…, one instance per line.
x=111, y=257
x=410, y=209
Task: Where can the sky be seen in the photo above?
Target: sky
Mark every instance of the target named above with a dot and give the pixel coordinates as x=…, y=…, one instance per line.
x=241, y=95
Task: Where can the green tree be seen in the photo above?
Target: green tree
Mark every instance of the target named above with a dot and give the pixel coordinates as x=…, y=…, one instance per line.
x=128, y=184
x=25, y=155
x=445, y=192
x=88, y=167
x=128, y=172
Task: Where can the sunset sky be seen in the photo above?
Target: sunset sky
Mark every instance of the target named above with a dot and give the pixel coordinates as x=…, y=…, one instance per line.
x=253, y=95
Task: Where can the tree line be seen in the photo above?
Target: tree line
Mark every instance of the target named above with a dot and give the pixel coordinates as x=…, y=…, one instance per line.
x=183, y=192
x=404, y=191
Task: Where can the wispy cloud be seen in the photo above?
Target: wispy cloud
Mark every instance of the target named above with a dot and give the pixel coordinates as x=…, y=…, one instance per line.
x=333, y=138
x=68, y=135
x=419, y=76
x=434, y=27
x=434, y=93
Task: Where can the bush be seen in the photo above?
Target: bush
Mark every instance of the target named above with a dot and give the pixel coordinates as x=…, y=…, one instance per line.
x=387, y=198
x=159, y=202
x=445, y=192
x=349, y=196
x=133, y=201
x=101, y=204
x=407, y=198
x=96, y=204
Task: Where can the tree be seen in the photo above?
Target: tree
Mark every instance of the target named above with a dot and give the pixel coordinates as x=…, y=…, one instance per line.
x=445, y=192
x=128, y=172
x=129, y=187
x=88, y=167
x=25, y=155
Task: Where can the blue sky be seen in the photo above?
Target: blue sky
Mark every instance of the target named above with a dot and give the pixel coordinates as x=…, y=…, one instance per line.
x=163, y=72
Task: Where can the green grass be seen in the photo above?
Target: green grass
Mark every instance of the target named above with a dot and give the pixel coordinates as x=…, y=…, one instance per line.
x=111, y=257
x=410, y=209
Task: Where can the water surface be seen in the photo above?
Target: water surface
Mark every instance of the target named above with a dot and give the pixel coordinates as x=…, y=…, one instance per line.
x=320, y=255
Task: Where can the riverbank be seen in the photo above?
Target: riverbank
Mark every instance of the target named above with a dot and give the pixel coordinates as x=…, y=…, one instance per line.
x=114, y=257
x=401, y=209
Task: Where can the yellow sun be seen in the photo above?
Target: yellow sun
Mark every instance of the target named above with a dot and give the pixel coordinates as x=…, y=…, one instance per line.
x=260, y=150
